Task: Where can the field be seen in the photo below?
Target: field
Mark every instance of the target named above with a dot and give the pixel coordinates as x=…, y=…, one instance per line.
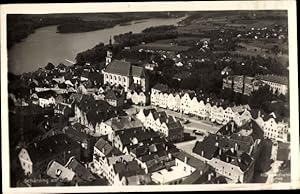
x=162, y=46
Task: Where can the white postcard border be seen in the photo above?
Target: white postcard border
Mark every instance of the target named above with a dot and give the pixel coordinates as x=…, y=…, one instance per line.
x=289, y=5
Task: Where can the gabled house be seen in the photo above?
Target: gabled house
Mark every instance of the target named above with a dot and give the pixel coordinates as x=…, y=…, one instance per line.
x=58, y=172
x=35, y=158
x=46, y=98
x=112, y=125
x=115, y=98
x=63, y=109
x=92, y=113
x=156, y=91
x=123, y=73
x=166, y=126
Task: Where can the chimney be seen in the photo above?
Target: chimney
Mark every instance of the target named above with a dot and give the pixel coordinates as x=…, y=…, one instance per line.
x=209, y=177
x=202, y=153
x=227, y=159
x=50, y=150
x=236, y=147
x=201, y=172
x=217, y=144
x=55, y=140
x=220, y=151
x=232, y=127
x=167, y=148
x=35, y=144
x=232, y=150
x=258, y=114
x=185, y=159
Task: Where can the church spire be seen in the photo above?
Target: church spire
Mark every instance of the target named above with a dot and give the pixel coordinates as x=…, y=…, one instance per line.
x=109, y=53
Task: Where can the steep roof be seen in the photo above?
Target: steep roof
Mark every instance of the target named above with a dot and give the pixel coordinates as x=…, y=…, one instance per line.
x=223, y=148
x=257, y=131
x=123, y=122
x=141, y=135
x=229, y=128
x=274, y=78
x=45, y=149
x=174, y=125
x=104, y=146
x=114, y=94
x=65, y=175
x=98, y=111
x=61, y=66
x=46, y=94
x=76, y=134
x=191, y=160
x=148, y=110
x=119, y=67
x=81, y=171
x=137, y=71
x=127, y=169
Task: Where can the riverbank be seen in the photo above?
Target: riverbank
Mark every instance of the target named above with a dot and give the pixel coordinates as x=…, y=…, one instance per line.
x=21, y=26
x=38, y=48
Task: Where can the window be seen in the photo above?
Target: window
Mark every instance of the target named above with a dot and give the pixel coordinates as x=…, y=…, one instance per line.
x=58, y=172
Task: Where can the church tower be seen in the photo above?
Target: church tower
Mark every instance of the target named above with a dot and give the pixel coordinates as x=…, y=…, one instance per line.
x=109, y=53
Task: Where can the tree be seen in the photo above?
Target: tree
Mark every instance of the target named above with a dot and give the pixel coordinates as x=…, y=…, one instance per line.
x=261, y=96
x=49, y=66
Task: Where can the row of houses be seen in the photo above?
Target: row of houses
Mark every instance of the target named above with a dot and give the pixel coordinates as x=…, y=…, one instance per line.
x=205, y=108
x=246, y=85
x=146, y=160
x=274, y=126
x=233, y=151
x=162, y=123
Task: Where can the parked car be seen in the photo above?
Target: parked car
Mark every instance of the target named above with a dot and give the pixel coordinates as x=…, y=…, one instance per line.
x=186, y=122
x=198, y=132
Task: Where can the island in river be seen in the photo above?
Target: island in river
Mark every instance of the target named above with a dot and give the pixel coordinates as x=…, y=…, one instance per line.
x=21, y=25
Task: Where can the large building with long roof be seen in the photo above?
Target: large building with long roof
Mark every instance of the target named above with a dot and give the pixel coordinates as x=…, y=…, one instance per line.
x=123, y=73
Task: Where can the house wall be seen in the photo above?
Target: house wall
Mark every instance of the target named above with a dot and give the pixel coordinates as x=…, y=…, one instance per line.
x=184, y=166
x=226, y=169
x=25, y=162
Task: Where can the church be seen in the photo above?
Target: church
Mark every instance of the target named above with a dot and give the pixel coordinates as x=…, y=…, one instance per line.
x=123, y=73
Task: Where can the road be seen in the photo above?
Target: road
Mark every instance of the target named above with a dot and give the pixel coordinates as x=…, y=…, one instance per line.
x=194, y=123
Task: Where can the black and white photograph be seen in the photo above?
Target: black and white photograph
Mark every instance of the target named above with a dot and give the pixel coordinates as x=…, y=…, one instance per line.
x=130, y=97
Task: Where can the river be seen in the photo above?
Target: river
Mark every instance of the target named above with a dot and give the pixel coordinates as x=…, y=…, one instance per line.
x=46, y=45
